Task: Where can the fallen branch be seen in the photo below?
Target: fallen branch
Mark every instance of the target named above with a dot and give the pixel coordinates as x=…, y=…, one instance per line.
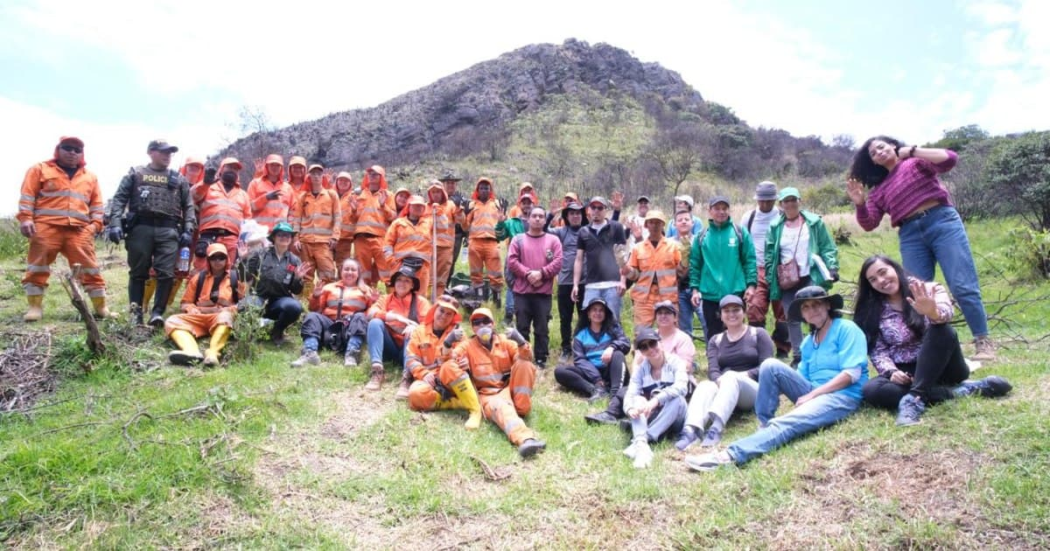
x=94, y=339
x=124, y=430
x=489, y=472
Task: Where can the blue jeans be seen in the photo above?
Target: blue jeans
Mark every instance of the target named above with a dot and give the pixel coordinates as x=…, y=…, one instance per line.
x=940, y=238
x=776, y=378
x=381, y=346
x=686, y=312
x=611, y=297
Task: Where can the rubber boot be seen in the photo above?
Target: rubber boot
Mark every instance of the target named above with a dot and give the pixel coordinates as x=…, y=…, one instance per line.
x=101, y=311
x=218, y=342
x=36, y=308
x=136, y=291
x=468, y=399
x=160, y=299
x=176, y=287
x=188, y=353
x=147, y=293
x=375, y=382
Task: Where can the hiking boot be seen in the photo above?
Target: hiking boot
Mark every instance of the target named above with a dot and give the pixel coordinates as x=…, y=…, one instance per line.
x=277, y=337
x=402, y=387
x=598, y=393
x=708, y=461
x=530, y=447
x=988, y=387
x=136, y=314
x=350, y=360
x=309, y=357
x=910, y=410
x=984, y=349
x=375, y=382
x=156, y=321
x=643, y=454
x=686, y=438
x=712, y=438
x=602, y=418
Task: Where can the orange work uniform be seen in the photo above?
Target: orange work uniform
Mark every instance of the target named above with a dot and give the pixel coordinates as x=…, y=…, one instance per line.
x=424, y=355
x=67, y=213
x=657, y=278
x=355, y=298
x=371, y=219
x=316, y=219
x=504, y=376
x=221, y=216
x=482, y=250
x=199, y=323
x=268, y=212
x=401, y=306
x=345, y=246
x=448, y=215
x=405, y=239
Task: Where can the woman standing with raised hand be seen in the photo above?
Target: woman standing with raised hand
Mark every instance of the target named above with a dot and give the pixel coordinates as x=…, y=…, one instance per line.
x=902, y=181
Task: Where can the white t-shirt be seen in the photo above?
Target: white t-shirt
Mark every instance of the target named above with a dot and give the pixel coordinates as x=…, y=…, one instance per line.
x=760, y=228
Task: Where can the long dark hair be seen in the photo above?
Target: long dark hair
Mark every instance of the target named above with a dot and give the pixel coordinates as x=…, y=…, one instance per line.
x=585, y=321
x=867, y=311
x=864, y=169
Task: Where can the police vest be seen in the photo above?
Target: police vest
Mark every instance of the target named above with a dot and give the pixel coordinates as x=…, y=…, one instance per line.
x=156, y=194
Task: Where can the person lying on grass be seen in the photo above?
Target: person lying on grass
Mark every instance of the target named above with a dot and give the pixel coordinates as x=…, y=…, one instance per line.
x=599, y=347
x=733, y=357
x=826, y=388
x=655, y=398
x=914, y=349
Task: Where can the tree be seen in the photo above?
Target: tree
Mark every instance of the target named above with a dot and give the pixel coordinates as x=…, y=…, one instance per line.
x=1019, y=171
x=959, y=138
x=677, y=150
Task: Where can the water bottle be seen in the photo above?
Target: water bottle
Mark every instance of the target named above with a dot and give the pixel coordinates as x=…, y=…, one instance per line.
x=184, y=260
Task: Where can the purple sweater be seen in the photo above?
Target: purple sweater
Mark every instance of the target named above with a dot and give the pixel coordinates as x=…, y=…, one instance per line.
x=527, y=253
x=910, y=184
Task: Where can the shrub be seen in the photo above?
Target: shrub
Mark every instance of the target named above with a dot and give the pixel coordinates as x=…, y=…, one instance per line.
x=12, y=243
x=1030, y=257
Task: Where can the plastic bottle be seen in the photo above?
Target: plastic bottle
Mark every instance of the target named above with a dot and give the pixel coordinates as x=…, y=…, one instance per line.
x=184, y=260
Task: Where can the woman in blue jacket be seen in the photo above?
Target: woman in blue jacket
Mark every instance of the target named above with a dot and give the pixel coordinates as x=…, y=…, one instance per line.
x=599, y=347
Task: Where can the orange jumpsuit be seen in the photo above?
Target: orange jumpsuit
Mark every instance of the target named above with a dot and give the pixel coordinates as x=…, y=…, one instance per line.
x=448, y=215
x=316, y=219
x=221, y=214
x=67, y=213
x=405, y=239
x=504, y=377
x=425, y=354
x=345, y=246
x=371, y=220
x=482, y=249
x=355, y=299
x=265, y=211
x=657, y=279
x=201, y=324
x=401, y=306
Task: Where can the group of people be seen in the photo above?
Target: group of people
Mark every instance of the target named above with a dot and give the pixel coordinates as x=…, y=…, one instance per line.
x=333, y=245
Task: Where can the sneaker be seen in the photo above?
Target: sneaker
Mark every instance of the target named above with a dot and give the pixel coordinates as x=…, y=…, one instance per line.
x=686, y=439
x=643, y=456
x=531, y=447
x=910, y=410
x=602, y=418
x=712, y=438
x=984, y=349
x=708, y=461
x=309, y=357
x=598, y=393
x=631, y=451
x=377, y=378
x=156, y=320
x=988, y=387
x=350, y=360
x=402, y=387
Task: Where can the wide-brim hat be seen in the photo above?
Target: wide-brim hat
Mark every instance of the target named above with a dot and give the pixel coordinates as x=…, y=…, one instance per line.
x=450, y=176
x=406, y=271
x=813, y=292
x=598, y=300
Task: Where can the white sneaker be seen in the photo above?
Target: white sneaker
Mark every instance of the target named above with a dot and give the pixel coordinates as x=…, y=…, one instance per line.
x=632, y=451
x=308, y=357
x=643, y=455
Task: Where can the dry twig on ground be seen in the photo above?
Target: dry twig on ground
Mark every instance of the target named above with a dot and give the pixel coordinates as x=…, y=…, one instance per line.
x=24, y=373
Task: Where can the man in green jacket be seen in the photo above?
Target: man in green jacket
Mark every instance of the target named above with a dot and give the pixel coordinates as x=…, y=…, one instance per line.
x=721, y=262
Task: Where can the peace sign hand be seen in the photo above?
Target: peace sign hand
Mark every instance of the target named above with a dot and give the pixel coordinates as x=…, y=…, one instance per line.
x=922, y=300
x=855, y=189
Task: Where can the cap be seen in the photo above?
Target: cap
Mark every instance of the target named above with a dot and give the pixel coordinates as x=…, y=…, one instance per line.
x=644, y=198
x=282, y=227
x=813, y=292
x=572, y=195
x=346, y=175
x=596, y=300
x=161, y=145
x=665, y=305
x=274, y=158
x=450, y=176
x=789, y=192
x=417, y=200
x=718, y=199
x=730, y=300
x=529, y=196
x=656, y=215
x=482, y=313
x=601, y=200
x=193, y=161
x=646, y=334
x=377, y=169
x=447, y=303
x=216, y=248
x=574, y=206
x=231, y=161
x=297, y=160
x=71, y=139
x=766, y=191
x=315, y=167
x=524, y=186
x=685, y=199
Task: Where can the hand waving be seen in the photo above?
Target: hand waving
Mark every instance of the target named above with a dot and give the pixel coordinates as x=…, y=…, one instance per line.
x=922, y=300
x=856, y=193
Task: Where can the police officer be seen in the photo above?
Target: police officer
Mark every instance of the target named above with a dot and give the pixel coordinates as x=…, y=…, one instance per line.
x=160, y=219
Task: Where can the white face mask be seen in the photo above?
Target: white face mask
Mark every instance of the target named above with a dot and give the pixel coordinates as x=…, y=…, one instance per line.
x=485, y=334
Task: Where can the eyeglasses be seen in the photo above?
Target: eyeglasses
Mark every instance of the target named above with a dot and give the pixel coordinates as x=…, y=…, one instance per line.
x=597, y=207
x=480, y=321
x=645, y=346
x=71, y=149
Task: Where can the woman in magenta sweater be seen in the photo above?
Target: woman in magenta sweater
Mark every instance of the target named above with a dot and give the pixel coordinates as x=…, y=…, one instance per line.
x=902, y=181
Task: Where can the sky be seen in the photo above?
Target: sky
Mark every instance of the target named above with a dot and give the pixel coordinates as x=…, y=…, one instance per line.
x=120, y=73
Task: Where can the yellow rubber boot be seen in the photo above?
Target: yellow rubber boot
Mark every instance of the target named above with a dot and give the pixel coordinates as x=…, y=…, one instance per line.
x=36, y=308
x=218, y=342
x=308, y=289
x=188, y=353
x=147, y=297
x=101, y=311
x=175, y=291
x=468, y=400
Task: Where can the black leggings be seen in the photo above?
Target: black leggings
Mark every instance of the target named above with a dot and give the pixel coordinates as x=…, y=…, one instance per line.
x=940, y=365
x=574, y=379
x=565, y=310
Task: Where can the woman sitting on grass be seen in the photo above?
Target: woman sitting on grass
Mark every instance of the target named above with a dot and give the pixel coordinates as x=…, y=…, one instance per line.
x=208, y=308
x=598, y=353
x=339, y=300
x=826, y=388
x=914, y=349
x=733, y=358
x=655, y=398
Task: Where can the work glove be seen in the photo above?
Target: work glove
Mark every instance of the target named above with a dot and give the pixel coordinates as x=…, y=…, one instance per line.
x=209, y=176
x=115, y=234
x=515, y=336
x=185, y=239
x=455, y=336
x=274, y=195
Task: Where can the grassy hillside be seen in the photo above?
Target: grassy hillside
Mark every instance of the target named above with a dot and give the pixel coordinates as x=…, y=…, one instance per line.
x=139, y=454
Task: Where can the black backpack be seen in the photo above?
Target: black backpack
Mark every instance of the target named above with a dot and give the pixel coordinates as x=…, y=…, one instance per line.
x=214, y=293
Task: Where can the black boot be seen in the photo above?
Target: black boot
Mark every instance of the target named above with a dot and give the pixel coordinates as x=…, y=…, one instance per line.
x=160, y=302
x=136, y=290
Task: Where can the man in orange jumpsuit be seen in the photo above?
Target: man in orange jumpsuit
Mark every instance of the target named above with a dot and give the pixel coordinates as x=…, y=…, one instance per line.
x=446, y=214
x=482, y=215
x=411, y=237
x=316, y=219
x=60, y=211
x=209, y=313
x=429, y=347
x=270, y=196
x=344, y=248
x=224, y=206
x=502, y=371
x=373, y=211
x=653, y=267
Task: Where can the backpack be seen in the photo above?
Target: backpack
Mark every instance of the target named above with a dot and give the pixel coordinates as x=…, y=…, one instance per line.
x=213, y=295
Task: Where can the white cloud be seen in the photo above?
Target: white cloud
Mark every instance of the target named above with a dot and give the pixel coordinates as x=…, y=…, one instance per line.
x=993, y=13
x=996, y=49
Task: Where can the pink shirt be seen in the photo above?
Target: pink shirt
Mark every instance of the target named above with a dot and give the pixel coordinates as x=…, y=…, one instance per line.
x=910, y=184
x=529, y=252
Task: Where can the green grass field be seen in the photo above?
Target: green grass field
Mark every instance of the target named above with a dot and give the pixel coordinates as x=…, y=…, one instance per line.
x=138, y=454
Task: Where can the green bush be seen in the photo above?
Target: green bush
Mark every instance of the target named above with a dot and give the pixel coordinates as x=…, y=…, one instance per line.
x=829, y=197
x=1030, y=258
x=12, y=244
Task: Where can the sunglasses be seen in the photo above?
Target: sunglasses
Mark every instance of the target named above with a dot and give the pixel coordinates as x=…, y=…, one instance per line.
x=480, y=321
x=71, y=149
x=645, y=346
x=221, y=257
x=597, y=207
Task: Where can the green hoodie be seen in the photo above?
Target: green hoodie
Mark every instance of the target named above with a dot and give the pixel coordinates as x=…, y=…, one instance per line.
x=719, y=265
x=820, y=244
